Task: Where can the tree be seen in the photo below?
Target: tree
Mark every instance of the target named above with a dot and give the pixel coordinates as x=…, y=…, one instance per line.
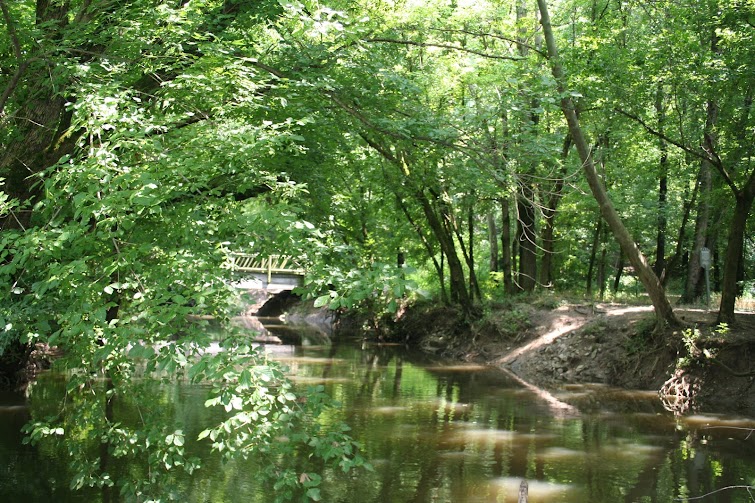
x=719, y=63
x=137, y=144
x=664, y=313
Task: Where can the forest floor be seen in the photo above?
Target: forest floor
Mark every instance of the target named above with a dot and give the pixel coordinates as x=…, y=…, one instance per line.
x=698, y=367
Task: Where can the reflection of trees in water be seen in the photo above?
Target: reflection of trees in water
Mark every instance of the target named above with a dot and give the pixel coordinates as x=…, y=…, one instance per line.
x=423, y=457
x=617, y=457
x=376, y=362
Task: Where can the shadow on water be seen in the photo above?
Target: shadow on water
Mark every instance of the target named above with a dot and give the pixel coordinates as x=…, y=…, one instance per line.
x=436, y=431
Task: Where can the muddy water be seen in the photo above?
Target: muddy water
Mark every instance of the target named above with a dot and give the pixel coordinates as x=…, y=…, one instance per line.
x=440, y=432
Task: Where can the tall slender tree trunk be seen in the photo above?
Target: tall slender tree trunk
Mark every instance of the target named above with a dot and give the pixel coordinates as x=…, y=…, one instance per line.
x=526, y=235
x=734, y=251
x=662, y=219
x=704, y=182
x=619, y=271
x=458, y=287
x=664, y=312
x=439, y=266
x=672, y=264
x=549, y=218
x=442, y=279
x=474, y=286
x=493, y=240
x=467, y=250
x=508, y=283
x=602, y=263
x=548, y=231
x=593, y=256
x=526, y=238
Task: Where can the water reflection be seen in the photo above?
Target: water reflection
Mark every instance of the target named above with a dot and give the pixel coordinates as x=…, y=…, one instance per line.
x=441, y=433
x=507, y=490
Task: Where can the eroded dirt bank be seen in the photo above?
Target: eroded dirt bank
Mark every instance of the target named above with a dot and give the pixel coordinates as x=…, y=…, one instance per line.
x=698, y=368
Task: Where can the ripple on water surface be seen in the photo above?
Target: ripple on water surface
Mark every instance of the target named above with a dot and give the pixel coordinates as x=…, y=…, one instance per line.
x=457, y=368
x=319, y=379
x=560, y=453
x=470, y=433
x=718, y=421
x=307, y=360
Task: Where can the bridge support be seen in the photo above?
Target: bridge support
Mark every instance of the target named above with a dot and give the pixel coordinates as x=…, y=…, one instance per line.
x=266, y=280
x=267, y=303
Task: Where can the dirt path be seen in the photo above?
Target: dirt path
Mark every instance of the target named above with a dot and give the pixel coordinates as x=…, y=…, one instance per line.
x=556, y=327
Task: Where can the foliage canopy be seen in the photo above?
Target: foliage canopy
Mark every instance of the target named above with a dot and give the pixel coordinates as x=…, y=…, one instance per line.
x=397, y=149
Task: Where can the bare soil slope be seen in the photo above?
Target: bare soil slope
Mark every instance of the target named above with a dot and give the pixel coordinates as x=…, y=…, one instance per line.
x=698, y=368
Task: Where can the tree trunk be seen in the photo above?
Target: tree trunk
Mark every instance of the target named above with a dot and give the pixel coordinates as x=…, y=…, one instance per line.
x=549, y=218
x=734, y=251
x=467, y=250
x=526, y=238
x=458, y=287
x=694, y=271
x=493, y=240
x=442, y=279
x=546, y=263
x=664, y=312
x=619, y=271
x=429, y=247
x=673, y=263
x=508, y=283
x=602, y=266
x=474, y=286
x=660, y=246
x=593, y=256
x=41, y=120
x=525, y=202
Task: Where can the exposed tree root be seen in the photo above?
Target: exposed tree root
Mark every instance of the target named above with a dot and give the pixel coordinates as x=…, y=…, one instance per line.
x=678, y=392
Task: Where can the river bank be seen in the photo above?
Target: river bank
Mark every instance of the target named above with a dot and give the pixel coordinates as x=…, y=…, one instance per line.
x=698, y=368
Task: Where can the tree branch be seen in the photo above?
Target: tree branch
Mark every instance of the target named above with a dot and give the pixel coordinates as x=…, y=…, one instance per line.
x=492, y=35
x=700, y=154
x=11, y=31
x=387, y=154
x=442, y=46
x=13, y=83
x=272, y=71
x=706, y=154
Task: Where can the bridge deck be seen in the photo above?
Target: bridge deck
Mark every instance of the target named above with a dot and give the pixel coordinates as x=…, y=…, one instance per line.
x=275, y=272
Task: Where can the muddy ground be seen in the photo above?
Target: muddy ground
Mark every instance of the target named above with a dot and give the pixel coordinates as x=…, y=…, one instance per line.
x=697, y=368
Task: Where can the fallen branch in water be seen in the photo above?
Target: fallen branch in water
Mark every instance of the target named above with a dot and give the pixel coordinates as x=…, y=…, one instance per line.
x=750, y=430
x=524, y=489
x=748, y=488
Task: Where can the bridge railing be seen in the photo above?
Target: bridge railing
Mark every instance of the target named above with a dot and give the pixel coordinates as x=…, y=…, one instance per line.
x=271, y=264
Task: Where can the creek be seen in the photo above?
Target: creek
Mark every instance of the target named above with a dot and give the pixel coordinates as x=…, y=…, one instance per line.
x=438, y=431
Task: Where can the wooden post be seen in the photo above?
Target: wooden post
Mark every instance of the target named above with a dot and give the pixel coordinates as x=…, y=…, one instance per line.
x=523, y=491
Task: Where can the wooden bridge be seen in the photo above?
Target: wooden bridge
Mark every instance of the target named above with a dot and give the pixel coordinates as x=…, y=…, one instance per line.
x=273, y=273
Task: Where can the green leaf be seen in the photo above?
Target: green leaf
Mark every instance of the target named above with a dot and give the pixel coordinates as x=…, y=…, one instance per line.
x=322, y=300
